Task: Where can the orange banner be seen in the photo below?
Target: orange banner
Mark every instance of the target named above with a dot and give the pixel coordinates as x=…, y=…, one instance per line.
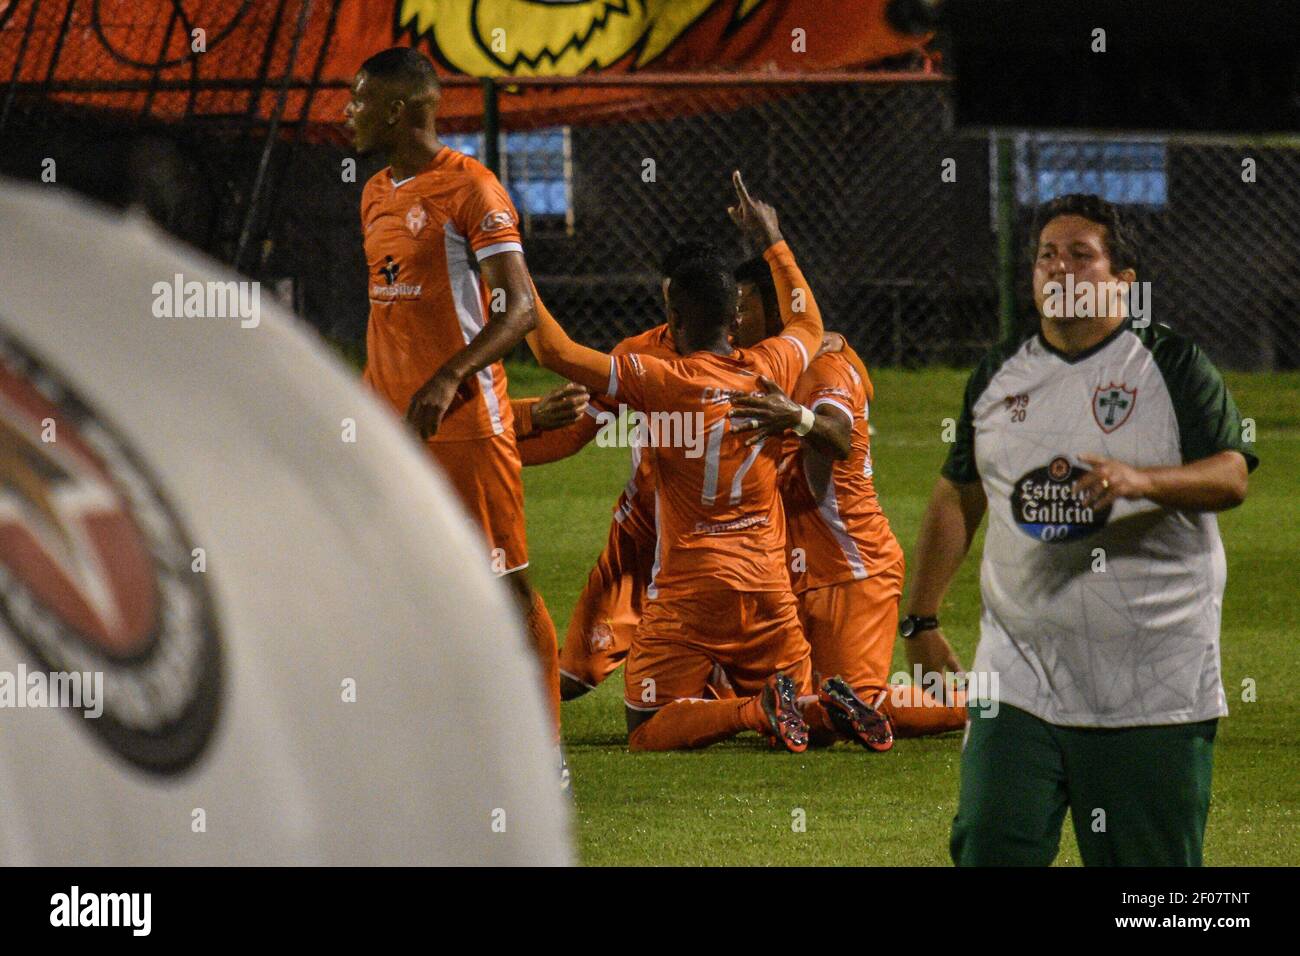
x=171, y=59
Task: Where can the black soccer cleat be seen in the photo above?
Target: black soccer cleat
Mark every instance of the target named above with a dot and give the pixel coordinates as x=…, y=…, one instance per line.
x=784, y=721
x=853, y=717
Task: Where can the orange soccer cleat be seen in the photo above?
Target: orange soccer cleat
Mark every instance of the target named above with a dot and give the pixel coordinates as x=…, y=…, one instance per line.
x=783, y=718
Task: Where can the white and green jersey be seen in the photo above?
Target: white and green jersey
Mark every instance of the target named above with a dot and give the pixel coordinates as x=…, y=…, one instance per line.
x=1097, y=618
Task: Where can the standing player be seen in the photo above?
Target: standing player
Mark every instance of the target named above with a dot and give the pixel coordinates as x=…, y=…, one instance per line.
x=719, y=593
x=442, y=243
x=1100, y=448
x=845, y=563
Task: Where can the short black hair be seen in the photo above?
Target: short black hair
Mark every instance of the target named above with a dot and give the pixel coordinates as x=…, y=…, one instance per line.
x=405, y=65
x=759, y=273
x=1120, y=248
x=702, y=292
x=680, y=252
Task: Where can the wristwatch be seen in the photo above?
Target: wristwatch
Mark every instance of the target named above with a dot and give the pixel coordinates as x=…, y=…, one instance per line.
x=912, y=625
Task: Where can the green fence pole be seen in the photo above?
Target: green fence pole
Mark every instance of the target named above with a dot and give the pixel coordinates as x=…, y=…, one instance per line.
x=1006, y=225
x=491, y=127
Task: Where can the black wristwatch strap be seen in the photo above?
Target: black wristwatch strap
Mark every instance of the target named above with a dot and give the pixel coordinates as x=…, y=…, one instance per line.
x=912, y=625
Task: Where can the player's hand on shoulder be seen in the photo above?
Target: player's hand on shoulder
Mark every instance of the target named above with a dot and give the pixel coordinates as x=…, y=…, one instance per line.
x=560, y=407
x=932, y=651
x=755, y=218
x=831, y=342
x=767, y=414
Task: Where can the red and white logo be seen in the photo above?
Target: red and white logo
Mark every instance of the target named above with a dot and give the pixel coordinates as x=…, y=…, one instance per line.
x=1112, y=405
x=416, y=219
x=497, y=219
x=65, y=531
x=96, y=573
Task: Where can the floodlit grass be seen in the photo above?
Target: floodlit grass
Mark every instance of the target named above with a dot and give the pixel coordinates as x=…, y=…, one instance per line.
x=734, y=803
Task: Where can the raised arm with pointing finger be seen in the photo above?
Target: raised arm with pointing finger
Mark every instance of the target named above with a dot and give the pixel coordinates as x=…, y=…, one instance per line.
x=592, y=368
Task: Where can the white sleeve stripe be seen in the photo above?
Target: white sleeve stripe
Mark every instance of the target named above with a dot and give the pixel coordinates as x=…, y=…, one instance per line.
x=831, y=401
x=802, y=351
x=613, y=378
x=496, y=247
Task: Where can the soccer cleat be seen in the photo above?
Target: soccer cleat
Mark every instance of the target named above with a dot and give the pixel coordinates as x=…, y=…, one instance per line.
x=783, y=719
x=853, y=717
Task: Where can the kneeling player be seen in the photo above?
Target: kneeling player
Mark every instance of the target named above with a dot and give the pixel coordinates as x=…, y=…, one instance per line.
x=609, y=609
x=719, y=594
x=845, y=563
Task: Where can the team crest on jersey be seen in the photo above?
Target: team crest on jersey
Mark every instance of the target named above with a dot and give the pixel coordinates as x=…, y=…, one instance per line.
x=1112, y=405
x=96, y=573
x=417, y=217
x=497, y=219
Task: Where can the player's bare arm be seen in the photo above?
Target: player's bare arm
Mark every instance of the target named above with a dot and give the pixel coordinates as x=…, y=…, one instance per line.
x=947, y=530
x=505, y=272
x=774, y=413
x=555, y=350
x=757, y=221
x=1216, y=483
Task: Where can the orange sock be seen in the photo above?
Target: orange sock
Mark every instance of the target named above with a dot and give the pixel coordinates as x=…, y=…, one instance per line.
x=697, y=723
x=541, y=631
x=915, y=713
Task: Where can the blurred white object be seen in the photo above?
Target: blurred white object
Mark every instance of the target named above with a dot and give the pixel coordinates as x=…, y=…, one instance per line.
x=330, y=565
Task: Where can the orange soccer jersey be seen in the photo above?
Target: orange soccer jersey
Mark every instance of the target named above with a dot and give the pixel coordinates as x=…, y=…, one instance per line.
x=719, y=521
x=635, y=509
x=424, y=238
x=609, y=609
x=835, y=520
x=845, y=563
x=719, y=591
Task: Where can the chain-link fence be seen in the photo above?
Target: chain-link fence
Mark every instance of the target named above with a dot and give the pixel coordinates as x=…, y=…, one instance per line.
x=853, y=169
x=1215, y=225
x=894, y=217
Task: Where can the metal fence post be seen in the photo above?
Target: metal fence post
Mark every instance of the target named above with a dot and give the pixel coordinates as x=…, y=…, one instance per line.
x=1006, y=226
x=272, y=130
x=491, y=127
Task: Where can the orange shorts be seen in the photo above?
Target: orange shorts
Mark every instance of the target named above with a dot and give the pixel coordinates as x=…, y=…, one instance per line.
x=486, y=475
x=609, y=609
x=749, y=635
x=852, y=626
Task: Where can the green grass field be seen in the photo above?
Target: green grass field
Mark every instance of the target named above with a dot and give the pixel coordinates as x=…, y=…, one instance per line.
x=734, y=803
